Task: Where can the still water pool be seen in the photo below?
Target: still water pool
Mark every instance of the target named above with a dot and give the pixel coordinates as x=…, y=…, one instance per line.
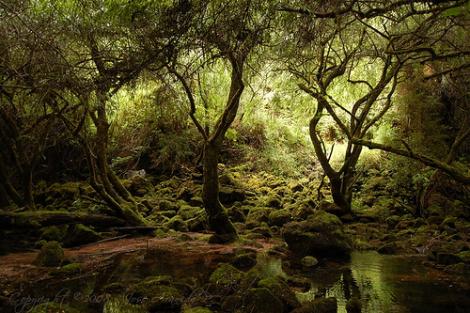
x=388, y=284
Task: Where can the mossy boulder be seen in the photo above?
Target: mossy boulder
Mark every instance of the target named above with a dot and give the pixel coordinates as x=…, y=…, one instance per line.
x=320, y=235
x=273, y=200
x=157, y=294
x=139, y=186
x=51, y=255
x=280, y=290
x=320, y=305
x=80, y=234
x=53, y=307
x=280, y=217
x=226, y=275
x=177, y=223
x=244, y=260
x=53, y=233
x=167, y=205
x=229, y=195
x=261, y=300
x=256, y=216
x=187, y=212
x=309, y=261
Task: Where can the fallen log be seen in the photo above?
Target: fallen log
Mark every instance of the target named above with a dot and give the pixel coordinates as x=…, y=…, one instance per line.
x=35, y=219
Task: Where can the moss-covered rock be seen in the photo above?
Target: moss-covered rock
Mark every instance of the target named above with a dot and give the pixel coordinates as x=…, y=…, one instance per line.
x=187, y=212
x=226, y=275
x=53, y=233
x=157, y=294
x=69, y=269
x=80, y=234
x=176, y=223
x=261, y=300
x=280, y=290
x=168, y=205
x=229, y=195
x=280, y=217
x=309, y=261
x=244, y=261
x=51, y=254
x=320, y=235
x=256, y=216
x=138, y=185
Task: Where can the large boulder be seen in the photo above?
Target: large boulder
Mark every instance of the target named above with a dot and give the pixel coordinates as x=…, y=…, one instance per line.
x=157, y=294
x=320, y=235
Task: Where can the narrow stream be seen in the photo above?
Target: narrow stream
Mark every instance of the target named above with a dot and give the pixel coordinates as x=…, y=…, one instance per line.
x=388, y=284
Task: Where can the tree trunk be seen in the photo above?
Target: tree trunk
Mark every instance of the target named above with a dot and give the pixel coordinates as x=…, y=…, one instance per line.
x=342, y=195
x=216, y=215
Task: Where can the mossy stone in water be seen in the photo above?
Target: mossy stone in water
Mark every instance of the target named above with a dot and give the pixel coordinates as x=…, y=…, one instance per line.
x=53, y=307
x=321, y=234
x=51, y=254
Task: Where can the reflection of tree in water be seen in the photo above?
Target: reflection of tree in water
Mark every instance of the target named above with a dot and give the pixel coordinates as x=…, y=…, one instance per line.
x=350, y=287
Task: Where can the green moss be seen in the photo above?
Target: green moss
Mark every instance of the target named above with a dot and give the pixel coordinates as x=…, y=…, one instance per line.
x=280, y=217
x=69, y=269
x=465, y=256
x=176, y=223
x=80, y=234
x=158, y=293
x=188, y=212
x=51, y=254
x=226, y=275
x=53, y=233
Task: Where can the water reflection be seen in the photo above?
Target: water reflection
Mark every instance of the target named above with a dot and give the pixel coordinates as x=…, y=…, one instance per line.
x=388, y=284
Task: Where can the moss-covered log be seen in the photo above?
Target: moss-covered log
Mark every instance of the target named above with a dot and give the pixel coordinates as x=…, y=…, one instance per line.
x=38, y=219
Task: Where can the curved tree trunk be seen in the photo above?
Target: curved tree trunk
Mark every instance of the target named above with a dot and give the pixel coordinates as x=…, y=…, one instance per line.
x=216, y=215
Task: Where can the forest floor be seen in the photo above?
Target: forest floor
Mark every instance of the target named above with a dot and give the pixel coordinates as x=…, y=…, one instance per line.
x=261, y=206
